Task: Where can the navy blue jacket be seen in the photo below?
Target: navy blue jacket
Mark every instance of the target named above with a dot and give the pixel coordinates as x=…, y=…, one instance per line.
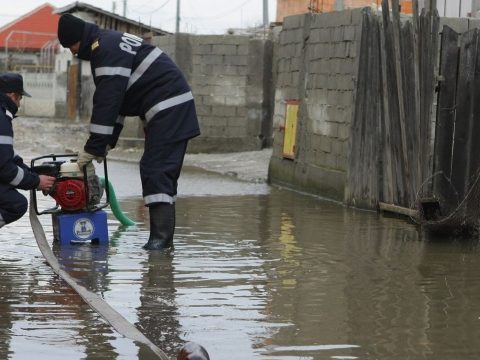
x=13, y=172
x=133, y=78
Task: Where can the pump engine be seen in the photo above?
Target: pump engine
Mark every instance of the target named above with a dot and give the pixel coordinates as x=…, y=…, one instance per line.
x=78, y=216
x=72, y=190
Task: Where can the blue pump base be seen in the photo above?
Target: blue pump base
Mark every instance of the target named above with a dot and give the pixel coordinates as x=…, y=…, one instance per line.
x=81, y=227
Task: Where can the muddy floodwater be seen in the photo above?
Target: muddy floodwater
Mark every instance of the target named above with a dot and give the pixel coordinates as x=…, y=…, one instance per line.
x=257, y=273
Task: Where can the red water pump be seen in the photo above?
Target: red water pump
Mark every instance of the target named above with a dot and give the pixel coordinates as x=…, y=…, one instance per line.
x=73, y=189
x=77, y=216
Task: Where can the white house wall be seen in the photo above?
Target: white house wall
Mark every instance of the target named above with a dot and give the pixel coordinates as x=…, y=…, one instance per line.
x=42, y=87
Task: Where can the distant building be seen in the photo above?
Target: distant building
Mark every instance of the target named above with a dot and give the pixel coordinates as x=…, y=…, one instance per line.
x=29, y=43
x=447, y=8
x=108, y=20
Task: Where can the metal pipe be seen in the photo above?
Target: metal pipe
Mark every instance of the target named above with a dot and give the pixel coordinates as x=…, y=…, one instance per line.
x=265, y=13
x=177, y=24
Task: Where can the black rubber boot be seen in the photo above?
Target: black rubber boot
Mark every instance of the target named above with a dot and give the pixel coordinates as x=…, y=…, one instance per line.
x=162, y=227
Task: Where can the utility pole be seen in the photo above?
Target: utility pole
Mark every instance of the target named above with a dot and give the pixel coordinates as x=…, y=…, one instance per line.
x=265, y=13
x=177, y=25
x=124, y=8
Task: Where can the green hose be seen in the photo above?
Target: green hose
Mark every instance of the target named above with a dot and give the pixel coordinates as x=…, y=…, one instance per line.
x=124, y=219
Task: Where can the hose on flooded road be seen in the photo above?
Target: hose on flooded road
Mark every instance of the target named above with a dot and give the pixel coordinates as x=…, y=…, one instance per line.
x=109, y=314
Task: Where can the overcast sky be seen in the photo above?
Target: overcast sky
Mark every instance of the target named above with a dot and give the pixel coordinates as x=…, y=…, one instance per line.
x=197, y=16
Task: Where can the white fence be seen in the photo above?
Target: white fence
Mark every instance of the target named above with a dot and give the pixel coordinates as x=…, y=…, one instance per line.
x=42, y=87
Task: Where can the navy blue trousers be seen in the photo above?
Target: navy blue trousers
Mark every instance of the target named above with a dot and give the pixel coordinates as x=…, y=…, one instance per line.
x=13, y=205
x=160, y=168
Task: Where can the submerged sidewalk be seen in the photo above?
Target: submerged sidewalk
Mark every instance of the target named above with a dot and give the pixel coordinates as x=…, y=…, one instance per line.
x=43, y=136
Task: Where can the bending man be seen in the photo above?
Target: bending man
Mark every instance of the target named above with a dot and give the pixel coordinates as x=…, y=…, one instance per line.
x=133, y=78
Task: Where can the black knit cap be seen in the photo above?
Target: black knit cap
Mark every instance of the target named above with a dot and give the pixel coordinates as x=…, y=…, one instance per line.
x=12, y=83
x=70, y=29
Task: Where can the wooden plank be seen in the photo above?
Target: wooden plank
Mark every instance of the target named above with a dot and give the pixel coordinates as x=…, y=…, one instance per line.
x=445, y=119
x=398, y=210
x=374, y=120
x=473, y=174
x=430, y=83
x=416, y=90
x=411, y=121
x=389, y=179
x=464, y=101
x=354, y=186
x=401, y=101
x=390, y=92
x=425, y=69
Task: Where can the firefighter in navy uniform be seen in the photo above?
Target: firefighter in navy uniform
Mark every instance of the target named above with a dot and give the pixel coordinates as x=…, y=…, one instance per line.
x=14, y=174
x=133, y=78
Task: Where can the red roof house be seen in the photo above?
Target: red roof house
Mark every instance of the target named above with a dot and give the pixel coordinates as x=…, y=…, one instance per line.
x=22, y=40
x=32, y=31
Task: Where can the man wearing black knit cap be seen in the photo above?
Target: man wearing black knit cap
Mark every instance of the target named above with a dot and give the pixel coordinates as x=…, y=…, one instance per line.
x=14, y=173
x=133, y=78
x=72, y=30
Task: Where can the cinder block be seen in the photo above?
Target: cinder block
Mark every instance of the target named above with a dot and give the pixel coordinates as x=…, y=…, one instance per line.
x=293, y=22
x=203, y=110
x=235, y=100
x=228, y=90
x=326, y=144
x=242, y=70
x=460, y=25
x=225, y=111
x=218, y=100
x=202, y=89
x=224, y=49
x=225, y=69
x=212, y=59
x=235, y=60
x=338, y=33
x=350, y=33
x=242, y=49
x=342, y=162
x=343, y=131
x=357, y=15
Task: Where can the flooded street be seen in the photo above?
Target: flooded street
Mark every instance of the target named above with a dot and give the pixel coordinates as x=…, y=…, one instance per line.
x=257, y=273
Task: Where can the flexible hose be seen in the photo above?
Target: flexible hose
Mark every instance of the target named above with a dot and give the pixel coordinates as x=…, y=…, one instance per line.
x=96, y=302
x=117, y=211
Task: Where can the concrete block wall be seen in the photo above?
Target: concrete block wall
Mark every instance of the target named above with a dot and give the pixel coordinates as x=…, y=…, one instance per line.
x=317, y=65
x=230, y=76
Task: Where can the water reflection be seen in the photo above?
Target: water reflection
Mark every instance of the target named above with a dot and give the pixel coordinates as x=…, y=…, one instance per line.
x=254, y=275
x=157, y=312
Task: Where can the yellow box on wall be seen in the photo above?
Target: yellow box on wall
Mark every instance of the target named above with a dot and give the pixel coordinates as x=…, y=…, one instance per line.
x=290, y=129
